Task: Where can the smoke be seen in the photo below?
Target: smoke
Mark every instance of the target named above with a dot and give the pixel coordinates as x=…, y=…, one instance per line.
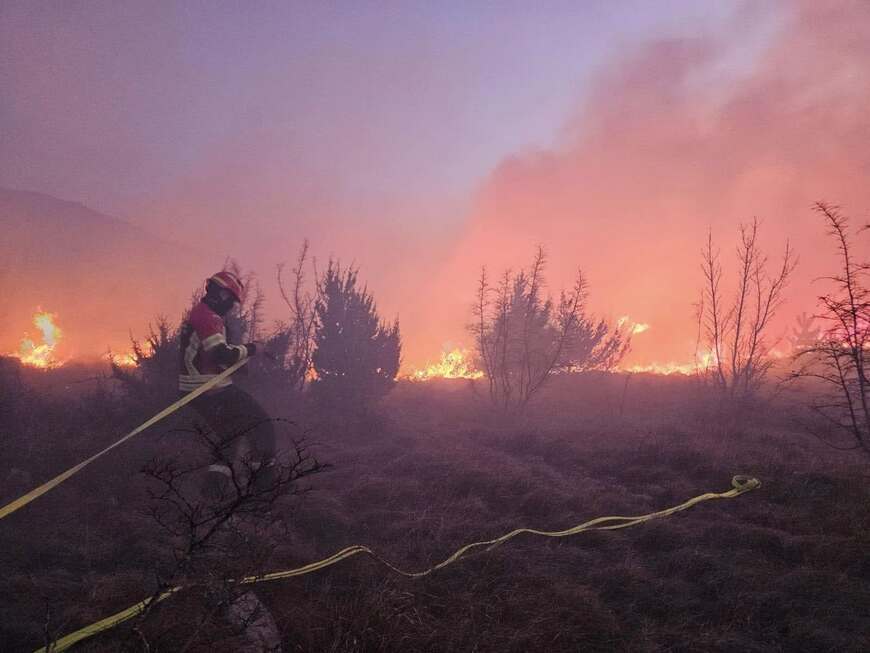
x=227, y=140
x=678, y=137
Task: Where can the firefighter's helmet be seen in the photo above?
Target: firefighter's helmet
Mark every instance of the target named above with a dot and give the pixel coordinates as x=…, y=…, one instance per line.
x=228, y=280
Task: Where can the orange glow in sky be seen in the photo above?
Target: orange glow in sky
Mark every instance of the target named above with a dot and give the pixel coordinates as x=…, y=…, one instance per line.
x=422, y=148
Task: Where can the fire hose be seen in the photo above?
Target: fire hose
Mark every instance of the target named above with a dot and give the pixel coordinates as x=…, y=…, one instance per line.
x=22, y=501
x=740, y=485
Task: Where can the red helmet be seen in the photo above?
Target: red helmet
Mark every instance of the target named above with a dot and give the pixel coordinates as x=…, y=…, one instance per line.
x=231, y=282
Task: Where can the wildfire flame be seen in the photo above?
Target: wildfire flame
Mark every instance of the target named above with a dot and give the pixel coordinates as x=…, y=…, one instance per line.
x=122, y=360
x=41, y=355
x=454, y=364
x=634, y=328
x=704, y=361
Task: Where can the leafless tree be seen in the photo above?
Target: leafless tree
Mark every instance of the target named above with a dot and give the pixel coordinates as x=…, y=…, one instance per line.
x=837, y=361
x=300, y=332
x=523, y=338
x=735, y=332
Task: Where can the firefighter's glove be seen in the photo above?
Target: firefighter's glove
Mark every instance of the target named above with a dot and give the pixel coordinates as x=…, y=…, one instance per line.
x=252, y=348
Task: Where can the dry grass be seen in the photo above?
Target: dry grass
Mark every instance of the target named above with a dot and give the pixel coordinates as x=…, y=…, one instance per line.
x=784, y=568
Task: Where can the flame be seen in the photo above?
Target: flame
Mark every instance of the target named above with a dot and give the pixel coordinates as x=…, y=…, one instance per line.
x=454, y=364
x=127, y=359
x=704, y=361
x=635, y=328
x=42, y=355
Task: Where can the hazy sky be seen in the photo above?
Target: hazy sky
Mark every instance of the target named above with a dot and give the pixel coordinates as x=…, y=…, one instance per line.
x=422, y=140
x=388, y=99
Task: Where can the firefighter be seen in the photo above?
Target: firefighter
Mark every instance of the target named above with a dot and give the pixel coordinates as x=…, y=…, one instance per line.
x=227, y=410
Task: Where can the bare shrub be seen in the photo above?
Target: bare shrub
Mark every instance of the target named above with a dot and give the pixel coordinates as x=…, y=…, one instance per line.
x=523, y=337
x=215, y=540
x=299, y=333
x=735, y=331
x=837, y=360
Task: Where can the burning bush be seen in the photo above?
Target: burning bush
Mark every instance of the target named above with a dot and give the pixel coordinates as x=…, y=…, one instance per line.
x=42, y=355
x=454, y=364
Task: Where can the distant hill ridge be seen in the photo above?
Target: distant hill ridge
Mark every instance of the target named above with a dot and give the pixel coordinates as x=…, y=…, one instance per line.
x=31, y=218
x=101, y=275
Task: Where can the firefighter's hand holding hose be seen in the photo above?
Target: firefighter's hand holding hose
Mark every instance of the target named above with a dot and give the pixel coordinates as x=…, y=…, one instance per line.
x=259, y=349
x=250, y=350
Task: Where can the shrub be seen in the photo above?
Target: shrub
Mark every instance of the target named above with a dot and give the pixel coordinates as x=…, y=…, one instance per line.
x=735, y=330
x=523, y=337
x=356, y=356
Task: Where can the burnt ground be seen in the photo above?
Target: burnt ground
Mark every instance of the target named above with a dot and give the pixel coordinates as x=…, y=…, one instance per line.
x=782, y=568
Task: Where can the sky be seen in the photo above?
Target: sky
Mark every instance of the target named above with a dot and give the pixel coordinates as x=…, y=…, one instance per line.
x=423, y=140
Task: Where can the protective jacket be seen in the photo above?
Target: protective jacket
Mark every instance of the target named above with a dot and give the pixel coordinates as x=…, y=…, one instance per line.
x=204, y=349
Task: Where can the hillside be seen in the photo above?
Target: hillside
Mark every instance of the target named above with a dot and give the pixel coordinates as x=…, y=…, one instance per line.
x=100, y=275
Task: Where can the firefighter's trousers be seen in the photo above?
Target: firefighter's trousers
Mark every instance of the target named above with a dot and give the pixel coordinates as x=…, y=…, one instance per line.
x=240, y=423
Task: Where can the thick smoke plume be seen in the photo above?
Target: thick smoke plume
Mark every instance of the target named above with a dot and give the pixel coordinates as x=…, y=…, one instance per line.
x=677, y=137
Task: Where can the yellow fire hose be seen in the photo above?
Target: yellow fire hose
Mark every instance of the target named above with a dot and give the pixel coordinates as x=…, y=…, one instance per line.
x=20, y=502
x=741, y=484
